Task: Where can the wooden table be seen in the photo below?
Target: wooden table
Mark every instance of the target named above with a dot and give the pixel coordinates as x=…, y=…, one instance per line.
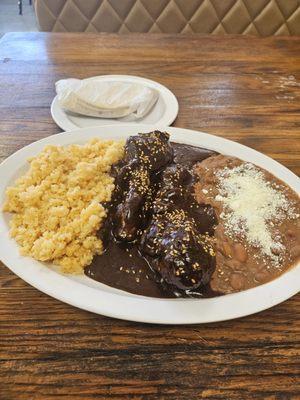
x=245, y=89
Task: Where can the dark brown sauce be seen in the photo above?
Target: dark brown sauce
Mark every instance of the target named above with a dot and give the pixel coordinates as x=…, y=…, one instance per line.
x=128, y=264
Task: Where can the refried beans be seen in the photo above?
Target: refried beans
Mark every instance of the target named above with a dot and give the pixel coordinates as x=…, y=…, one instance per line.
x=253, y=249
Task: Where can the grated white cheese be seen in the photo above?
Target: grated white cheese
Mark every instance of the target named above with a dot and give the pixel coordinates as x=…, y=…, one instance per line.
x=251, y=206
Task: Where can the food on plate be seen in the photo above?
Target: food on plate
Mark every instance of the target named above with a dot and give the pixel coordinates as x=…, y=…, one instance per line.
x=157, y=218
x=167, y=231
x=106, y=99
x=258, y=234
x=158, y=241
x=57, y=205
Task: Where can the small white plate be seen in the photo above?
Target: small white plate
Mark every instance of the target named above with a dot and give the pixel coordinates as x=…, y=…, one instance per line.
x=163, y=112
x=85, y=293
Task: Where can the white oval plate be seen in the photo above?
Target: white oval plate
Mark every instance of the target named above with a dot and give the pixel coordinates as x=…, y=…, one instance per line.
x=83, y=292
x=163, y=112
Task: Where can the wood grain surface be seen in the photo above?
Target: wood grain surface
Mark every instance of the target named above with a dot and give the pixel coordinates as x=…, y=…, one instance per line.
x=243, y=88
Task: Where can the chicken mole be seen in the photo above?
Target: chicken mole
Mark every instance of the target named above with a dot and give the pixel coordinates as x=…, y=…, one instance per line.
x=158, y=240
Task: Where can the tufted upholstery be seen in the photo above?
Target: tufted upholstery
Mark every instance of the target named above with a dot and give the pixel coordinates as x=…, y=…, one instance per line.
x=257, y=17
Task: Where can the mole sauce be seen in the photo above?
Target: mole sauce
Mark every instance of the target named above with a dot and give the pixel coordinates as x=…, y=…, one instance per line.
x=157, y=198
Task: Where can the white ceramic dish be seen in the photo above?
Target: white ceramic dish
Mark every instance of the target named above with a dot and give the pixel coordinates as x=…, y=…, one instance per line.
x=90, y=295
x=163, y=112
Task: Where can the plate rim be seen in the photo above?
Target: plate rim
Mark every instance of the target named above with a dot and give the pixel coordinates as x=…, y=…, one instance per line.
x=150, y=307
x=61, y=119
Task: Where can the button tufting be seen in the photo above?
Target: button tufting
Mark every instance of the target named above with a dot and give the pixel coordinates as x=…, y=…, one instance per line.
x=259, y=17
